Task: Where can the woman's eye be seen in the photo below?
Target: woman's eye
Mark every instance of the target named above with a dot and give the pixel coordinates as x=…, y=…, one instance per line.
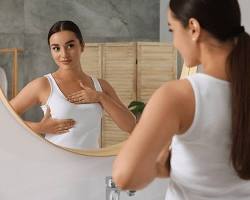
x=170, y=30
x=56, y=49
x=70, y=46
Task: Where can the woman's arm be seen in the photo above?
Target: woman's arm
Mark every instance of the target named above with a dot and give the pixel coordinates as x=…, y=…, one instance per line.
x=115, y=108
x=29, y=96
x=169, y=111
x=163, y=162
x=35, y=93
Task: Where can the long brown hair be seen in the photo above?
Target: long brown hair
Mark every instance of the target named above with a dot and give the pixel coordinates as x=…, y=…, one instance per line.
x=222, y=19
x=239, y=73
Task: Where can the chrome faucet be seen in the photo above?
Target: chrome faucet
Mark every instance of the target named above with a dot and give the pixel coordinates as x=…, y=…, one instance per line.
x=112, y=192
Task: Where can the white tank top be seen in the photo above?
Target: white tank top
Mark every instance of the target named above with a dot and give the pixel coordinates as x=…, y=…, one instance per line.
x=200, y=164
x=87, y=130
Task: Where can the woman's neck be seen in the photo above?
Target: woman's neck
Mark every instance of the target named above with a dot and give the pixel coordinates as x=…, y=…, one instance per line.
x=70, y=74
x=214, y=59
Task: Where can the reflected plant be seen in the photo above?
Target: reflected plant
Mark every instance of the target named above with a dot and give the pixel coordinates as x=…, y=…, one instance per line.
x=137, y=107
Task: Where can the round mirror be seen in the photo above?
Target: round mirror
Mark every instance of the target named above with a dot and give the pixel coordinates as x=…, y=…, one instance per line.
x=134, y=85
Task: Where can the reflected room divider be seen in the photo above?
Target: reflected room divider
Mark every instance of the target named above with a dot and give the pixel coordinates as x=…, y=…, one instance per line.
x=134, y=69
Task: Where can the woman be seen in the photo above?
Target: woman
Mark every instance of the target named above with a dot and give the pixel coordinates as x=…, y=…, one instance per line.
x=206, y=116
x=72, y=101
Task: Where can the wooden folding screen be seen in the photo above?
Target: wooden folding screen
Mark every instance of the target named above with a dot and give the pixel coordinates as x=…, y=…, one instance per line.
x=157, y=63
x=135, y=71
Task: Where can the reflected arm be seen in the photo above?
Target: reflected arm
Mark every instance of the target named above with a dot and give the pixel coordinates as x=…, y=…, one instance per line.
x=27, y=98
x=36, y=93
x=115, y=108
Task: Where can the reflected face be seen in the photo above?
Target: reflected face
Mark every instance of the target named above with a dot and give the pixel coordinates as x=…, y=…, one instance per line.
x=65, y=49
x=182, y=40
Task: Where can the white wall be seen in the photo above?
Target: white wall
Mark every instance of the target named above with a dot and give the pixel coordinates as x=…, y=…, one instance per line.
x=33, y=169
x=245, y=6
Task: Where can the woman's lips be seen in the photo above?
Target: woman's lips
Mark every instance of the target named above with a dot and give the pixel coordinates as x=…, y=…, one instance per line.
x=65, y=61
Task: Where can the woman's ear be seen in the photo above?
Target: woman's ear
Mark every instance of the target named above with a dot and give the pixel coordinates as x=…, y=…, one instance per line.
x=195, y=29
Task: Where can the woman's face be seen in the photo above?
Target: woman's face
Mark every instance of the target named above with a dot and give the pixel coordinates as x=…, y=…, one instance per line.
x=183, y=41
x=65, y=49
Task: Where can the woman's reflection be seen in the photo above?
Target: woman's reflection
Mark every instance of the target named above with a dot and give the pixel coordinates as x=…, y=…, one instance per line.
x=72, y=101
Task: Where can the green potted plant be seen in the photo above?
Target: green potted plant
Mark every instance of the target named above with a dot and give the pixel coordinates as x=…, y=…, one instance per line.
x=137, y=107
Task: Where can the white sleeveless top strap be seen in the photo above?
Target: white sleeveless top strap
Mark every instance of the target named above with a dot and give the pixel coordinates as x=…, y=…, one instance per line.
x=87, y=130
x=200, y=164
x=96, y=84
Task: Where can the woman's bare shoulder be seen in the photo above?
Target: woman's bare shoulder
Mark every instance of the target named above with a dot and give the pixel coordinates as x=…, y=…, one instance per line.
x=179, y=97
x=181, y=88
x=180, y=91
x=38, y=88
x=35, y=92
x=39, y=83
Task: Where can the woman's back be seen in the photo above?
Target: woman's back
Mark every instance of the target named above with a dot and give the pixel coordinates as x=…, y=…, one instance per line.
x=201, y=164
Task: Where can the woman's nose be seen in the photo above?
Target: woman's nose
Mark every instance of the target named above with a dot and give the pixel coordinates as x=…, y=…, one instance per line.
x=64, y=53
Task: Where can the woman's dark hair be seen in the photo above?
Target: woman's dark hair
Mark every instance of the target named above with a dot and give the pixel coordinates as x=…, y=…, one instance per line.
x=66, y=26
x=222, y=19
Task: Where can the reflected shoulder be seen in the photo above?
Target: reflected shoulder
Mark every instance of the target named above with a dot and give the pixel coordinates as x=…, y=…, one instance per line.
x=40, y=83
x=38, y=89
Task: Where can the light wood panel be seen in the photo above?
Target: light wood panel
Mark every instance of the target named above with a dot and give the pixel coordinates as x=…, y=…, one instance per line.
x=91, y=59
x=157, y=63
x=119, y=69
x=135, y=71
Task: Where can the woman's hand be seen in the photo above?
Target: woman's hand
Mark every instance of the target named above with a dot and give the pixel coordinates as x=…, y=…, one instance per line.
x=54, y=126
x=86, y=95
x=163, y=162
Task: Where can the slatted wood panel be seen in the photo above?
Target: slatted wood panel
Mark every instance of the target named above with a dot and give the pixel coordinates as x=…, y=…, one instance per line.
x=91, y=59
x=116, y=63
x=157, y=63
x=119, y=69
